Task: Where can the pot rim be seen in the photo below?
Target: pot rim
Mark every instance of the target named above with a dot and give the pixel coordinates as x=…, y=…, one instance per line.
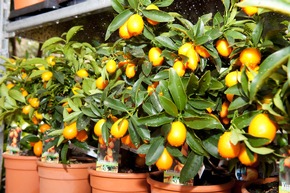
x=60, y=165
x=18, y=157
x=93, y=172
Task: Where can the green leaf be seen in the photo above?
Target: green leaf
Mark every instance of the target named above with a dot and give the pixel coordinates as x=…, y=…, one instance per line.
x=164, y=3
x=244, y=120
x=72, y=32
x=63, y=153
x=204, y=82
x=72, y=105
x=168, y=106
x=158, y=15
x=115, y=104
x=119, y=20
x=191, y=167
x=195, y=144
x=15, y=94
x=259, y=150
x=267, y=67
x=51, y=41
x=155, y=151
x=71, y=116
x=203, y=122
x=167, y=42
x=156, y=120
x=256, y=35
x=117, y=6
x=133, y=4
x=257, y=141
x=238, y=103
x=200, y=103
x=210, y=144
x=177, y=90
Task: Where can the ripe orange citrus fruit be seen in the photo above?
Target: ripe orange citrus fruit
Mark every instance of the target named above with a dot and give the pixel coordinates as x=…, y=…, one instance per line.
x=101, y=83
x=155, y=57
x=70, y=131
x=224, y=109
x=177, y=134
x=182, y=50
x=223, y=47
x=98, y=127
x=226, y=148
x=111, y=66
x=10, y=85
x=179, y=68
x=23, y=92
x=130, y=70
x=123, y=31
x=250, y=10
x=82, y=73
x=26, y=109
x=152, y=7
x=244, y=157
x=251, y=57
x=230, y=97
x=262, y=126
x=37, y=148
x=50, y=60
x=82, y=135
x=75, y=90
x=34, y=102
x=193, y=59
x=165, y=161
x=44, y=127
x=202, y=51
x=119, y=128
x=232, y=78
x=46, y=76
x=135, y=25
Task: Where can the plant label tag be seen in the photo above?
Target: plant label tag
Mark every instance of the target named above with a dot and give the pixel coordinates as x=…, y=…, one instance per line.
x=50, y=155
x=284, y=175
x=13, y=142
x=108, y=156
x=172, y=176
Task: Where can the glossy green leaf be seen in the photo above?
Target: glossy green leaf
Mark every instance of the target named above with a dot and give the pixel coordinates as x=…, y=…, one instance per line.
x=168, y=106
x=256, y=35
x=142, y=130
x=203, y=122
x=257, y=141
x=71, y=116
x=156, y=120
x=278, y=102
x=50, y=42
x=177, y=90
x=164, y=3
x=133, y=134
x=73, y=105
x=115, y=104
x=15, y=94
x=191, y=167
x=158, y=15
x=210, y=144
x=155, y=151
x=72, y=32
x=195, y=144
x=166, y=42
x=267, y=67
x=63, y=153
x=259, y=150
x=200, y=103
x=133, y=3
x=239, y=102
x=204, y=83
x=117, y=6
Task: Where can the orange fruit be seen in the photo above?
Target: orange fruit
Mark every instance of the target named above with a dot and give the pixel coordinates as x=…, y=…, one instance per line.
x=155, y=57
x=98, y=127
x=101, y=83
x=82, y=73
x=37, y=148
x=182, y=50
x=46, y=76
x=224, y=109
x=250, y=10
x=38, y=115
x=44, y=127
x=23, y=92
x=75, y=90
x=177, y=134
x=244, y=157
x=179, y=68
x=251, y=57
x=126, y=140
x=123, y=31
x=130, y=70
x=26, y=109
x=165, y=161
x=262, y=126
x=34, y=102
x=232, y=78
x=193, y=59
x=111, y=66
x=66, y=106
x=152, y=7
x=230, y=97
x=151, y=88
x=140, y=161
x=135, y=25
x=287, y=162
x=223, y=47
x=119, y=128
x=82, y=135
x=226, y=148
x=202, y=51
x=70, y=131
x=10, y=85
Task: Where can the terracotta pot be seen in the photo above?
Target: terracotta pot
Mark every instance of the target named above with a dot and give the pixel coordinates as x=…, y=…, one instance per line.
x=21, y=174
x=19, y=4
x=107, y=182
x=259, y=181
x=59, y=178
x=160, y=187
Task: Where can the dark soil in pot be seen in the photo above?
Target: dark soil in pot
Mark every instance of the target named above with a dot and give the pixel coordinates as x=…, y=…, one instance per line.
x=271, y=187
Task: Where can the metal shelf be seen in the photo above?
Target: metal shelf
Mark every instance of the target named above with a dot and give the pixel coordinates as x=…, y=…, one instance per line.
x=57, y=16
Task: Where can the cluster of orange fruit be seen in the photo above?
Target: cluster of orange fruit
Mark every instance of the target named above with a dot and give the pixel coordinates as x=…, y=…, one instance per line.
x=261, y=126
